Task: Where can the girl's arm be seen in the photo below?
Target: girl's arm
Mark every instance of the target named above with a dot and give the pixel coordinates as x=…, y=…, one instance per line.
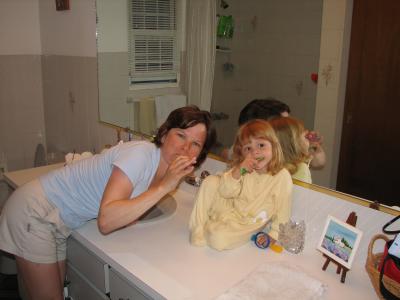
x=118, y=210
x=230, y=186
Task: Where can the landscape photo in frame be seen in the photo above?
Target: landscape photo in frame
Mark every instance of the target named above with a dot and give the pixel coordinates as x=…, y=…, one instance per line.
x=339, y=241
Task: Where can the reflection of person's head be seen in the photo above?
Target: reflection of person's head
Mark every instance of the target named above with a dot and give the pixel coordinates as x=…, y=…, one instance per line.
x=263, y=109
x=186, y=117
x=263, y=130
x=291, y=135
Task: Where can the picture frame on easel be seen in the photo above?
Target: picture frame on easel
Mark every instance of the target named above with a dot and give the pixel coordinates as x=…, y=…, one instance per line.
x=339, y=241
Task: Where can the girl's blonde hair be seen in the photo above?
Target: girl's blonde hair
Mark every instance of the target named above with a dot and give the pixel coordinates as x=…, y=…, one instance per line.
x=289, y=131
x=263, y=130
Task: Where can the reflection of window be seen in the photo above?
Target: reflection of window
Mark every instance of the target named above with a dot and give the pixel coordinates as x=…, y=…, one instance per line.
x=153, y=54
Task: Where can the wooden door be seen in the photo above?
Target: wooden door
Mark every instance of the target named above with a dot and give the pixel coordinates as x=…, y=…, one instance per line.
x=369, y=164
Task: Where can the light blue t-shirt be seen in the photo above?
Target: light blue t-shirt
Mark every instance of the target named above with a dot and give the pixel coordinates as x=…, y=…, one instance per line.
x=77, y=189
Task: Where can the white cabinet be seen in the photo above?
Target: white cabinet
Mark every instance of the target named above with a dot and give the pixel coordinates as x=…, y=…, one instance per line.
x=121, y=289
x=80, y=287
x=90, y=278
x=87, y=274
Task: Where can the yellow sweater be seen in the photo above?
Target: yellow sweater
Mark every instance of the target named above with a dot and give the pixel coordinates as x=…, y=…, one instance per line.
x=228, y=211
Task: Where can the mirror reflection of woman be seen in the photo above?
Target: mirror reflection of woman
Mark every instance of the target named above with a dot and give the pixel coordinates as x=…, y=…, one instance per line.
x=116, y=187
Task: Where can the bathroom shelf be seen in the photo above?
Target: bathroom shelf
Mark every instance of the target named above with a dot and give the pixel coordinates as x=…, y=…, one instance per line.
x=224, y=50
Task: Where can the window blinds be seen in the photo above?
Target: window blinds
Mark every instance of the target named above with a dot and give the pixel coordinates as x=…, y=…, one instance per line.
x=153, y=55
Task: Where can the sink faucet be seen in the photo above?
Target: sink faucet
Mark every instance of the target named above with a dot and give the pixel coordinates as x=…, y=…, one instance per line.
x=196, y=180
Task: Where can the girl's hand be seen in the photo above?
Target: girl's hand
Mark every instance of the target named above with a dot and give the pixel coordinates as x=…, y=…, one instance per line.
x=314, y=138
x=246, y=166
x=178, y=169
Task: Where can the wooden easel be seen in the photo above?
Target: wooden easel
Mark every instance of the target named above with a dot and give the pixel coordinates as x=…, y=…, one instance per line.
x=352, y=220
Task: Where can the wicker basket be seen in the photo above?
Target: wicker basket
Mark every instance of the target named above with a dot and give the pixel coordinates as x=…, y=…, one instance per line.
x=373, y=261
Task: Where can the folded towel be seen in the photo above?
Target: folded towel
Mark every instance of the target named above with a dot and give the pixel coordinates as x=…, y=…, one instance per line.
x=147, y=119
x=277, y=280
x=73, y=157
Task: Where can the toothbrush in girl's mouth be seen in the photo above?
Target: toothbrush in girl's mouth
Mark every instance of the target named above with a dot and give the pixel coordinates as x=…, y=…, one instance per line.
x=244, y=171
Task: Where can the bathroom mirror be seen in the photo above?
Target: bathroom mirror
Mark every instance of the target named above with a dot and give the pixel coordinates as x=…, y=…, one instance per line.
x=273, y=53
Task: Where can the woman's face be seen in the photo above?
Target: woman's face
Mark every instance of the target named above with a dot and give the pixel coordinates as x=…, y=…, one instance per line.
x=183, y=142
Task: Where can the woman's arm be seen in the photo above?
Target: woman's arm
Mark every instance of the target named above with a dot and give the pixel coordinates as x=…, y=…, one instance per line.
x=118, y=210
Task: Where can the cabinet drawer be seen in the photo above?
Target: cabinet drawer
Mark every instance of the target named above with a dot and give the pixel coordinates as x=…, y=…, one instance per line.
x=80, y=288
x=121, y=289
x=88, y=264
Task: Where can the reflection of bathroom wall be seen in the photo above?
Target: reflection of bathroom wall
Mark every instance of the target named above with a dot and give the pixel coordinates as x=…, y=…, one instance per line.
x=117, y=101
x=274, y=50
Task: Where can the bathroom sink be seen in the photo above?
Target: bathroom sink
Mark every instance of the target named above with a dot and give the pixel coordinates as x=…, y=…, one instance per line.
x=164, y=209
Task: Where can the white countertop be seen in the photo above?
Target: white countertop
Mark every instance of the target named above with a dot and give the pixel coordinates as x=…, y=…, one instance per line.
x=158, y=258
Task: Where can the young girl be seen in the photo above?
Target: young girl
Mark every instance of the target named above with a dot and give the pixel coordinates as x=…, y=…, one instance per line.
x=295, y=146
x=253, y=194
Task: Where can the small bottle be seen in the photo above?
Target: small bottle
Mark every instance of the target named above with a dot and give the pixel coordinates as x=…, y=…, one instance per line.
x=3, y=164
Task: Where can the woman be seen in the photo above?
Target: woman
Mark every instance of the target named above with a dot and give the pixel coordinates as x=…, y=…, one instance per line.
x=117, y=187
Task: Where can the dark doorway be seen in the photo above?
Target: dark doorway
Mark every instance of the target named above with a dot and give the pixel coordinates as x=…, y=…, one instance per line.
x=369, y=164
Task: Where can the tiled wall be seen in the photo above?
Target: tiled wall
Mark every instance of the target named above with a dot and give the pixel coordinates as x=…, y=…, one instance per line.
x=21, y=109
x=274, y=50
x=48, y=99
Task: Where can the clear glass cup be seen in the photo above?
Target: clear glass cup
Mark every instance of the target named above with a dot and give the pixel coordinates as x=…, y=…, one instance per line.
x=292, y=236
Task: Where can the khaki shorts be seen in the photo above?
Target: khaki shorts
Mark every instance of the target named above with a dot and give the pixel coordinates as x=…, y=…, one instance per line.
x=31, y=227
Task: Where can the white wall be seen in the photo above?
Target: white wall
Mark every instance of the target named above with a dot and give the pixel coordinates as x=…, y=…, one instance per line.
x=113, y=28
x=70, y=32
x=21, y=104
x=19, y=27
x=335, y=45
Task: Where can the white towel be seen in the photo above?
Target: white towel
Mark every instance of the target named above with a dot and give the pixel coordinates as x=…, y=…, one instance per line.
x=277, y=280
x=167, y=103
x=74, y=157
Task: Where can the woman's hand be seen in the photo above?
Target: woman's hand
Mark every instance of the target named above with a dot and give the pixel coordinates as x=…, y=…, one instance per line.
x=178, y=169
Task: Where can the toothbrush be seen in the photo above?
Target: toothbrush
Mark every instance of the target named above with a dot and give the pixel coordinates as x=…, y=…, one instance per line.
x=244, y=171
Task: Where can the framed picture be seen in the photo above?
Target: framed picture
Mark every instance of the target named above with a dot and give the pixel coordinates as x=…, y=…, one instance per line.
x=62, y=4
x=339, y=241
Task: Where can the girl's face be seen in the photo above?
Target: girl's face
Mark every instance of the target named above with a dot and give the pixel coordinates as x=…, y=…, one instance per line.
x=304, y=142
x=183, y=142
x=260, y=150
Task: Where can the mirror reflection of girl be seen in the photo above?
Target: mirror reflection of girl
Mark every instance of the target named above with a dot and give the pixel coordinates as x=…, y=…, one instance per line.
x=254, y=193
x=295, y=146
